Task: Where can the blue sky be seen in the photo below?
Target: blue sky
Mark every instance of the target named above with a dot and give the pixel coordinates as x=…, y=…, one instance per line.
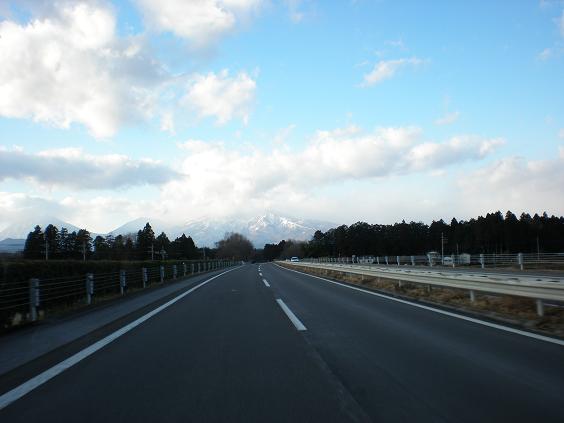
x=342, y=111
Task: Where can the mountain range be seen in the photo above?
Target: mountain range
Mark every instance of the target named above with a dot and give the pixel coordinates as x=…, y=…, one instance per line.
x=266, y=228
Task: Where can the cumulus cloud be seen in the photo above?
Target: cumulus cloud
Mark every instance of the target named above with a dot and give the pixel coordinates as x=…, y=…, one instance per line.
x=200, y=21
x=223, y=180
x=221, y=96
x=74, y=169
x=386, y=69
x=71, y=66
x=515, y=183
x=448, y=118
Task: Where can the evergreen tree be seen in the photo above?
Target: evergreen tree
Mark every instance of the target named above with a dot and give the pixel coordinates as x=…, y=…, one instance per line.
x=145, y=242
x=52, y=241
x=34, y=244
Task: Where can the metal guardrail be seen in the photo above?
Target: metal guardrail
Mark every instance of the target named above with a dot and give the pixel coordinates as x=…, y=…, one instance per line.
x=537, y=288
x=27, y=298
x=520, y=260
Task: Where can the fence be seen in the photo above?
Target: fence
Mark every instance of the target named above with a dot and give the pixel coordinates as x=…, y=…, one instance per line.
x=519, y=260
x=28, y=299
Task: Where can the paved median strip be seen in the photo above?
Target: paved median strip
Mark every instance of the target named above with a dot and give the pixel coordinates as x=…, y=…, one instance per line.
x=26, y=387
x=299, y=325
x=266, y=283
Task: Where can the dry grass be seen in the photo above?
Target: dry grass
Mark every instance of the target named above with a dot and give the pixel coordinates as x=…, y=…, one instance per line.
x=515, y=310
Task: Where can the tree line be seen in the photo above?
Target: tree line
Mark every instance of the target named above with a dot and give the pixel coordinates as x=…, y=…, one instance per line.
x=494, y=233
x=53, y=243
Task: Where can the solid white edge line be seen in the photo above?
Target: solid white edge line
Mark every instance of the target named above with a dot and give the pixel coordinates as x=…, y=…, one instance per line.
x=439, y=311
x=26, y=387
x=299, y=325
x=266, y=283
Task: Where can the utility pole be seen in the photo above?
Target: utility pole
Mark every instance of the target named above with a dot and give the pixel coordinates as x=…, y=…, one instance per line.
x=47, y=249
x=152, y=252
x=84, y=250
x=538, y=249
x=443, y=240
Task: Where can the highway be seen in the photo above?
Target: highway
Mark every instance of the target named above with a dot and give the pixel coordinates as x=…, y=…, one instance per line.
x=263, y=343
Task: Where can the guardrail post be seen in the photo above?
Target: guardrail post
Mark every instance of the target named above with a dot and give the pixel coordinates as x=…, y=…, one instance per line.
x=398, y=260
x=184, y=267
x=520, y=260
x=377, y=260
x=192, y=268
x=122, y=282
x=161, y=271
x=472, y=296
x=144, y=276
x=174, y=271
x=412, y=261
x=452, y=258
x=430, y=260
x=198, y=267
x=386, y=260
x=482, y=261
x=33, y=298
x=89, y=288
x=540, y=307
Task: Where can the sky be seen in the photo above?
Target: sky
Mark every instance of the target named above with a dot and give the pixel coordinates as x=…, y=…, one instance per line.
x=340, y=111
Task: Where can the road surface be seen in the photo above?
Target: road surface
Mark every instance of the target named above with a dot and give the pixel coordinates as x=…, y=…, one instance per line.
x=277, y=345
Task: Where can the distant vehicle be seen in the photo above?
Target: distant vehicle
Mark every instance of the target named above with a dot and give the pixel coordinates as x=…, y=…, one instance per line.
x=294, y=259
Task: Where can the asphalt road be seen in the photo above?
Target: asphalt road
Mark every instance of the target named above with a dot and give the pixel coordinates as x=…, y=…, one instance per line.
x=228, y=352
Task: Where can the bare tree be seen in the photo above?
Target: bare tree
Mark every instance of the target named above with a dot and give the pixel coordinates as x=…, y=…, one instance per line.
x=234, y=246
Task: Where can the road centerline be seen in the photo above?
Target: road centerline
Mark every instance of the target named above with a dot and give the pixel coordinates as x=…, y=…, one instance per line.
x=266, y=283
x=293, y=318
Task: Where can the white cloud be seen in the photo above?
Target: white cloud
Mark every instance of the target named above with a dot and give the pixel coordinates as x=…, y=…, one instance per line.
x=515, y=183
x=219, y=180
x=73, y=168
x=386, y=69
x=167, y=123
x=545, y=54
x=561, y=134
x=448, y=118
x=282, y=135
x=221, y=96
x=71, y=67
x=200, y=21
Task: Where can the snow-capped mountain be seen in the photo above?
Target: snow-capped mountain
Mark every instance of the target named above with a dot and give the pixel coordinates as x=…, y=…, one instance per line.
x=135, y=225
x=267, y=228
x=21, y=228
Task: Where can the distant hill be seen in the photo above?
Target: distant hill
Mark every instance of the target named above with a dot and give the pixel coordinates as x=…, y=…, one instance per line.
x=10, y=245
x=266, y=228
x=21, y=228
